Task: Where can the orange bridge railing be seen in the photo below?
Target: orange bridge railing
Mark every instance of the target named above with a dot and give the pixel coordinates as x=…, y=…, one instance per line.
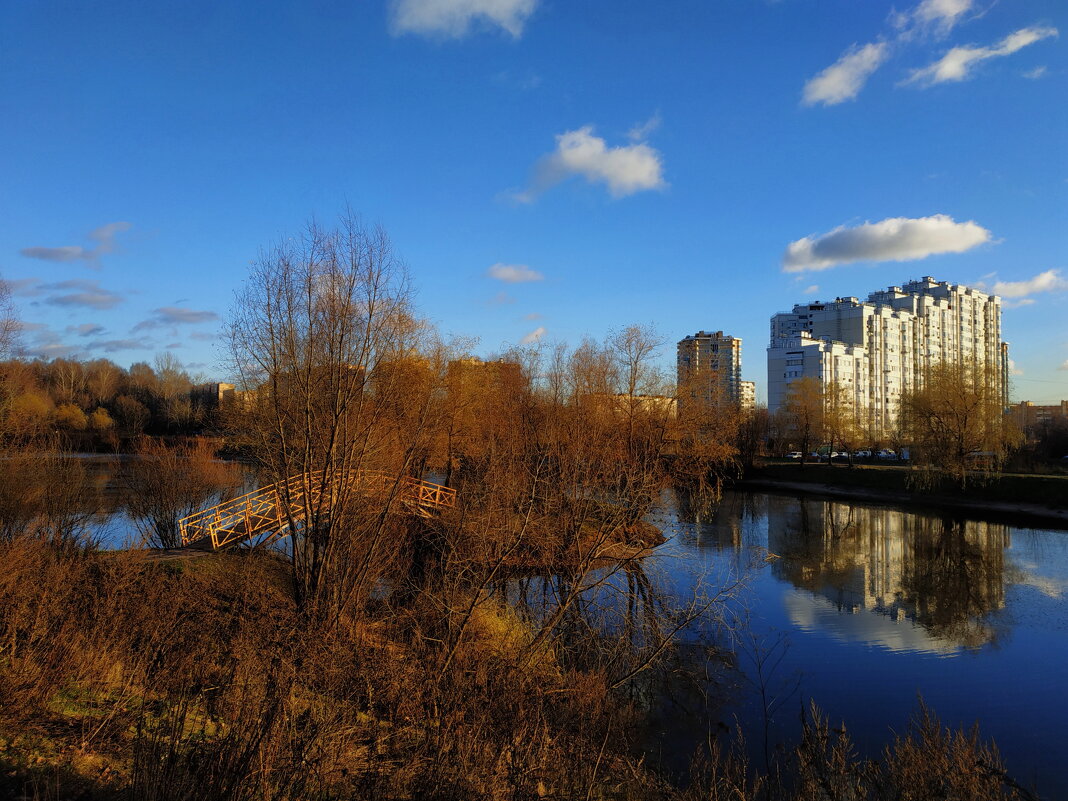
x=261, y=514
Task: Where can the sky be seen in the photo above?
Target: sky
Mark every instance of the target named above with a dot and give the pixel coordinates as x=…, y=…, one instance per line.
x=547, y=170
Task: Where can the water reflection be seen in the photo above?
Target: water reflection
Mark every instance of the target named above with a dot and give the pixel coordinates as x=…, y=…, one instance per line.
x=897, y=579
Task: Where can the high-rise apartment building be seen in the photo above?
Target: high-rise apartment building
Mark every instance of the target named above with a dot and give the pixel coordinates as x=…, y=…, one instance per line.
x=879, y=348
x=709, y=369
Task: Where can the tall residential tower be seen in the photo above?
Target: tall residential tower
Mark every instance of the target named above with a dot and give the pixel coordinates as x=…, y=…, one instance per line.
x=709, y=369
x=882, y=347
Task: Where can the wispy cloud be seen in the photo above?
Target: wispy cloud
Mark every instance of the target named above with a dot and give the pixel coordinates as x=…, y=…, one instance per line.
x=533, y=316
x=893, y=239
x=641, y=132
x=116, y=345
x=514, y=273
x=80, y=293
x=959, y=62
x=502, y=298
x=533, y=336
x=175, y=315
x=454, y=19
x=1048, y=281
x=25, y=287
x=86, y=330
x=844, y=79
x=624, y=170
x=811, y=289
x=1036, y=73
x=104, y=236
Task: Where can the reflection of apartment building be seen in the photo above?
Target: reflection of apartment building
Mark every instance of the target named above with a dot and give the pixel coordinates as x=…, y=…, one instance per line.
x=879, y=348
x=709, y=369
x=1029, y=415
x=945, y=576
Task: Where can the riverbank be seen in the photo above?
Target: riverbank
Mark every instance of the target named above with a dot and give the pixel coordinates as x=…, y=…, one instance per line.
x=1034, y=500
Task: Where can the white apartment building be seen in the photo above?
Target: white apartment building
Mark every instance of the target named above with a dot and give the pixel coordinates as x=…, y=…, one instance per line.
x=709, y=368
x=883, y=346
x=748, y=395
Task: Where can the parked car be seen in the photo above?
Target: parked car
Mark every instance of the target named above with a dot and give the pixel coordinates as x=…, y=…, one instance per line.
x=795, y=455
x=862, y=454
x=887, y=454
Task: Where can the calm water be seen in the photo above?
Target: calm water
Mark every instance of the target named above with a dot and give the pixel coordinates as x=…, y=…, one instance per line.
x=865, y=608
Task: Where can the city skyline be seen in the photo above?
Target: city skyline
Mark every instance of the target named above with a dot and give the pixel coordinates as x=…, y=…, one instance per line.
x=546, y=171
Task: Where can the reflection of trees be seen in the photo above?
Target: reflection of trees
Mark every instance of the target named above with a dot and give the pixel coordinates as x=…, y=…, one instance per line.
x=718, y=522
x=956, y=577
x=947, y=575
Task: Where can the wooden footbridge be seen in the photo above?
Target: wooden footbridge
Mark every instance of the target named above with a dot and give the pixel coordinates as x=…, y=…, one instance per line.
x=260, y=516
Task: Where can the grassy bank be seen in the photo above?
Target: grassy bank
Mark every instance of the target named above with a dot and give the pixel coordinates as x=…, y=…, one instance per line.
x=1046, y=491
x=136, y=680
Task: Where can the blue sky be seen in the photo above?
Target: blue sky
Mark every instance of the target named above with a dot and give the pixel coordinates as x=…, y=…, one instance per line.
x=546, y=169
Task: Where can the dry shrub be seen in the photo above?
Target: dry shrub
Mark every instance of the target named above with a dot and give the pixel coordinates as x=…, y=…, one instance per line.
x=167, y=483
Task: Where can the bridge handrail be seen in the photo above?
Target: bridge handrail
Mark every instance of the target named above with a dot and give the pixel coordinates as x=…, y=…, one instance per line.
x=260, y=502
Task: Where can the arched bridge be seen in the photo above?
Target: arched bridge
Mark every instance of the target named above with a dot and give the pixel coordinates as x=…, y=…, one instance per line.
x=261, y=516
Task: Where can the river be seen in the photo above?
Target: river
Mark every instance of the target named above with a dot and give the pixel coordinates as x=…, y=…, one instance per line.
x=864, y=609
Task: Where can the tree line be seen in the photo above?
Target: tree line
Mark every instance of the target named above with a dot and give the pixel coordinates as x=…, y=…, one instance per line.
x=97, y=403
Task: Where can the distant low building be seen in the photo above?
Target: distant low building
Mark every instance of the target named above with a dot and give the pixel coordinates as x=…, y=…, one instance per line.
x=748, y=396
x=214, y=395
x=621, y=404
x=1029, y=415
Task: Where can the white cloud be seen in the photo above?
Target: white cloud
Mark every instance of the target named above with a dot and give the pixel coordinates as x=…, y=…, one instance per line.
x=453, y=19
x=533, y=336
x=1013, y=369
x=844, y=79
x=957, y=64
x=104, y=236
x=941, y=14
x=1016, y=304
x=625, y=170
x=513, y=273
x=893, y=239
x=811, y=290
x=1049, y=281
x=1036, y=73
x=1064, y=365
x=533, y=316
x=501, y=299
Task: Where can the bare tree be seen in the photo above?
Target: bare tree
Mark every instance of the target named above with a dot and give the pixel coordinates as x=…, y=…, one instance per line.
x=804, y=413
x=955, y=421
x=168, y=483
x=9, y=323
x=320, y=314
